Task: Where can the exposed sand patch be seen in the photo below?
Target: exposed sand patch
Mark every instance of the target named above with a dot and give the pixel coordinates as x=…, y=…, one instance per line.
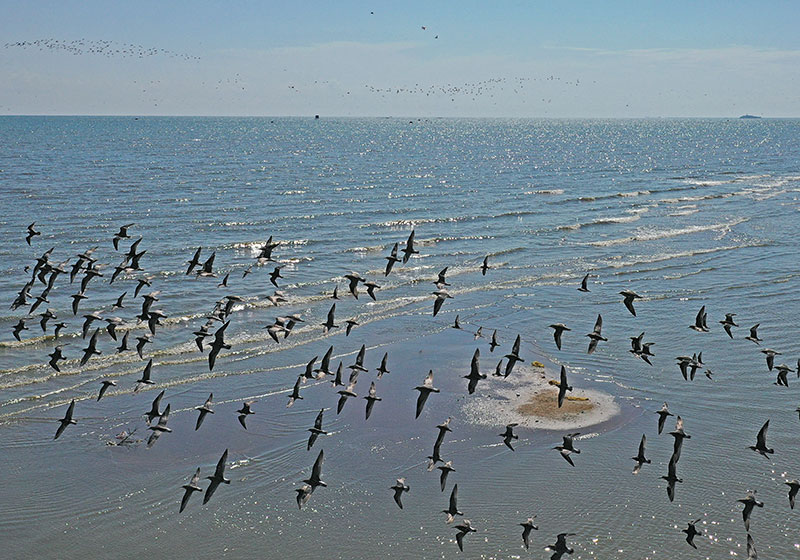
x=543, y=404
x=529, y=397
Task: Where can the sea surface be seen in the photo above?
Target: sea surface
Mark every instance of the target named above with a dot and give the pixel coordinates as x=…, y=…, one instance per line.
x=685, y=212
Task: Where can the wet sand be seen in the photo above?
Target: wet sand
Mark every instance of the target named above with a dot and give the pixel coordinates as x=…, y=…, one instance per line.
x=529, y=397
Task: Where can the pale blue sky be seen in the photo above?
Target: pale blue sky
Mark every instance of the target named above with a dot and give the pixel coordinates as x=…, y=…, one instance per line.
x=516, y=59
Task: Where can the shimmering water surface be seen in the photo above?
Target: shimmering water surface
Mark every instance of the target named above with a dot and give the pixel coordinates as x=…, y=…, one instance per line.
x=684, y=212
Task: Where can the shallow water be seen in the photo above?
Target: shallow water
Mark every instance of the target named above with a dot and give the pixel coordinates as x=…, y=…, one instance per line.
x=684, y=212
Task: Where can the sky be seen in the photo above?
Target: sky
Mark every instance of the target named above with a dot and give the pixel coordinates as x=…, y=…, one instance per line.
x=417, y=59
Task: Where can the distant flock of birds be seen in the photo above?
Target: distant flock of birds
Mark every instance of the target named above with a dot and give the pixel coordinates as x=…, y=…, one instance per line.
x=46, y=272
x=97, y=47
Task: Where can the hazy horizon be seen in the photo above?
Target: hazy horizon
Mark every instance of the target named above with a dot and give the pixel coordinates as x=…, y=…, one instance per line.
x=523, y=60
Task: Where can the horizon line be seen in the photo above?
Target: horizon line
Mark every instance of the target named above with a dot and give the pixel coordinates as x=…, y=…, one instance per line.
x=746, y=116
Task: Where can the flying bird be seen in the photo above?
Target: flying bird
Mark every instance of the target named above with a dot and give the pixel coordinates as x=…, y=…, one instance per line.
x=485, y=266
x=349, y=324
x=295, y=394
x=145, y=380
x=274, y=275
x=18, y=328
x=154, y=408
x=217, y=478
x=316, y=471
x=513, y=357
x=371, y=287
x=474, y=374
x=749, y=502
x=189, y=488
x=91, y=349
x=452, y=509
x=679, y=434
x=527, y=527
x=329, y=322
x=443, y=428
x=672, y=477
x=353, y=279
x=141, y=342
x=753, y=336
x=691, y=532
x=560, y=547
x=493, y=343
x=371, y=398
x=794, y=486
x=348, y=391
x=409, y=250
x=761, y=441
x=383, y=367
x=303, y=494
x=770, y=356
x=464, y=528
x=204, y=409
x=595, y=336
x=206, y=270
x=159, y=428
x=67, y=420
x=316, y=431
x=446, y=469
x=55, y=356
x=629, y=296
x=424, y=392
x=399, y=487
x=244, y=412
x=123, y=345
x=728, y=323
x=700, y=321
x=121, y=234
x=563, y=386
x=391, y=259
x=558, y=330
x=583, y=287
x=359, y=364
x=31, y=233
x=104, y=385
x=217, y=345
x=509, y=435
x=441, y=296
x=640, y=458
x=567, y=447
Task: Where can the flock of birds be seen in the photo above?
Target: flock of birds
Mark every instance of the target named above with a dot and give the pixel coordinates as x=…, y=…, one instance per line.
x=473, y=90
x=106, y=48
x=46, y=272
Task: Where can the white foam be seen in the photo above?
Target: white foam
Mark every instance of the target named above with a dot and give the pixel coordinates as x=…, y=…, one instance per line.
x=654, y=235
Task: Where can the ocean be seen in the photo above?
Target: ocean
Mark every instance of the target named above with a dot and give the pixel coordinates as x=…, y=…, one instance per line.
x=685, y=212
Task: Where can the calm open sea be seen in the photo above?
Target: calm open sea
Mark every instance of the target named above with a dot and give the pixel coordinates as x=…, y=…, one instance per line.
x=684, y=212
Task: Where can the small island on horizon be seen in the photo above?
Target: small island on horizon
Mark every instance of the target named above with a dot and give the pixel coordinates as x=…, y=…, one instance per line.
x=750, y=117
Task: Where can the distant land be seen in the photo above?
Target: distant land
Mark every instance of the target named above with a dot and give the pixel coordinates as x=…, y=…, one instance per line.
x=749, y=117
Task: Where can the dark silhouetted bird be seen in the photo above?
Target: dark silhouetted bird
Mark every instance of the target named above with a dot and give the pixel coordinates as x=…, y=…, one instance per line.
x=204, y=409
x=67, y=420
x=399, y=487
x=217, y=478
x=691, y=532
x=189, y=488
x=424, y=392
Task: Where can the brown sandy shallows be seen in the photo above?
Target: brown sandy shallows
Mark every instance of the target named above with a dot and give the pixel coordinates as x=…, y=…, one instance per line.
x=544, y=404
